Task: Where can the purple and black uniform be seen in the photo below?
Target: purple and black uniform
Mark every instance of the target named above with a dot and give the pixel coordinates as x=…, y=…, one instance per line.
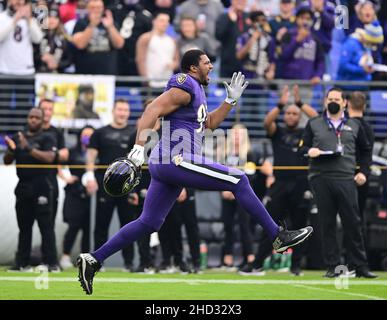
x=177, y=162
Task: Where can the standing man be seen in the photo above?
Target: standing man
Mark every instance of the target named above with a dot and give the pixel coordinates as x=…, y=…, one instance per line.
x=61, y=152
x=357, y=103
x=330, y=141
x=33, y=191
x=106, y=144
x=229, y=26
x=133, y=20
x=175, y=164
x=285, y=197
x=97, y=40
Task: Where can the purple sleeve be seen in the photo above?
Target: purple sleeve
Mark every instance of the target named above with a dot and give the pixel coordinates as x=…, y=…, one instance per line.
x=241, y=41
x=271, y=50
x=181, y=81
x=319, y=64
x=289, y=47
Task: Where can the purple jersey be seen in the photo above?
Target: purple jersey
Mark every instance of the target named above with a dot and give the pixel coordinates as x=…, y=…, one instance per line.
x=183, y=129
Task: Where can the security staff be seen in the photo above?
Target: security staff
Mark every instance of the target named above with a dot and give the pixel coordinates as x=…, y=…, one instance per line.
x=356, y=107
x=108, y=143
x=61, y=152
x=330, y=141
x=33, y=192
x=286, y=196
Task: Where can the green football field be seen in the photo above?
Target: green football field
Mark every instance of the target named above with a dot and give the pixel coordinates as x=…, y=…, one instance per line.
x=211, y=285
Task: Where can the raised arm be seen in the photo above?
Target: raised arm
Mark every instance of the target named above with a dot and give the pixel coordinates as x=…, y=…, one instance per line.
x=234, y=91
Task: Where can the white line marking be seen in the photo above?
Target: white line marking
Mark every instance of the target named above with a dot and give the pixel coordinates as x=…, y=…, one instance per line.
x=342, y=291
x=204, y=281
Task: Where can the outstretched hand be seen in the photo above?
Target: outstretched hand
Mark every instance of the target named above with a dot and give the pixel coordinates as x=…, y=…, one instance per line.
x=236, y=87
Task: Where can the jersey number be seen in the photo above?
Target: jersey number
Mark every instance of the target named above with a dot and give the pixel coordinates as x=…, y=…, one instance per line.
x=17, y=35
x=202, y=116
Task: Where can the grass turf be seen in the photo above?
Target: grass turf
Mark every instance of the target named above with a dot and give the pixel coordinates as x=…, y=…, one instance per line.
x=212, y=285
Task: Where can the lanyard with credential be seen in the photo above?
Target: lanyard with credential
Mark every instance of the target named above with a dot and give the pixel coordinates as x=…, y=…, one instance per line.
x=338, y=131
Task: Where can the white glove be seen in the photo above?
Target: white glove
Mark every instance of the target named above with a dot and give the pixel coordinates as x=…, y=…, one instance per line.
x=86, y=177
x=137, y=155
x=235, y=88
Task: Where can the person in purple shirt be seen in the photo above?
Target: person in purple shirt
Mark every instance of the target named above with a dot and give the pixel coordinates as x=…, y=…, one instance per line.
x=302, y=56
x=323, y=21
x=176, y=163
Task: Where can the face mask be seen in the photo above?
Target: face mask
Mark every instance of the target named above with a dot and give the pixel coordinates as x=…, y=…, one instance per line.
x=333, y=107
x=85, y=140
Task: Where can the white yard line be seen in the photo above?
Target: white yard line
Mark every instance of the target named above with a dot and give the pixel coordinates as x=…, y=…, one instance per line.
x=201, y=281
x=342, y=291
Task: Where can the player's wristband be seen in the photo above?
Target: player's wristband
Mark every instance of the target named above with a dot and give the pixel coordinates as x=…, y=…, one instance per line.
x=233, y=102
x=280, y=106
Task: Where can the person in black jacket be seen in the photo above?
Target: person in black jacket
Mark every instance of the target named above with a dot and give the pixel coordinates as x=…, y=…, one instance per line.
x=356, y=108
x=33, y=191
x=330, y=141
x=229, y=26
x=76, y=207
x=286, y=196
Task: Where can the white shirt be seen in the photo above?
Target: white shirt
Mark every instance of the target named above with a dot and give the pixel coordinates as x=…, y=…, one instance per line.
x=160, y=54
x=16, y=53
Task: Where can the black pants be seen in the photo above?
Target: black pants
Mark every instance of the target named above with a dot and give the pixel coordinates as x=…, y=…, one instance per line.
x=339, y=196
x=182, y=213
x=144, y=249
x=104, y=213
x=229, y=209
x=76, y=211
x=34, y=202
x=285, y=199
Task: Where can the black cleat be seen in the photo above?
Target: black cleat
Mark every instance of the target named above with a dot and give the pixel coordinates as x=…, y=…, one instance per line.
x=88, y=266
x=365, y=273
x=290, y=238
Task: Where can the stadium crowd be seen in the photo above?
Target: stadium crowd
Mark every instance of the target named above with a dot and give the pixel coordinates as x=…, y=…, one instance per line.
x=266, y=40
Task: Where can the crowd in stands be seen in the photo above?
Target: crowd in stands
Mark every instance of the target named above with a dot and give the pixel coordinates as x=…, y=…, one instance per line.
x=283, y=39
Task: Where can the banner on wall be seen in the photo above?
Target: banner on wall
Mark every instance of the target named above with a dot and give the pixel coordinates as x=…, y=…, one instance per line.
x=79, y=99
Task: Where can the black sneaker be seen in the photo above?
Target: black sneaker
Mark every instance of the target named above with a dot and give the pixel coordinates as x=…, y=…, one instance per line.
x=88, y=266
x=184, y=268
x=331, y=273
x=54, y=268
x=296, y=271
x=365, y=273
x=290, y=238
x=249, y=270
x=17, y=268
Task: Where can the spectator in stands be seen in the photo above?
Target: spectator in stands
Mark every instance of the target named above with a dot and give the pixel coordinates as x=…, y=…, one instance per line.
x=191, y=38
x=286, y=196
x=157, y=55
x=19, y=30
x=53, y=52
x=76, y=207
x=323, y=21
x=157, y=6
x=280, y=25
x=285, y=21
x=97, y=40
x=238, y=153
x=255, y=49
x=33, y=191
x=229, y=26
x=80, y=13
x=302, y=57
x=205, y=12
x=356, y=55
x=365, y=13
x=133, y=21
x=67, y=10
